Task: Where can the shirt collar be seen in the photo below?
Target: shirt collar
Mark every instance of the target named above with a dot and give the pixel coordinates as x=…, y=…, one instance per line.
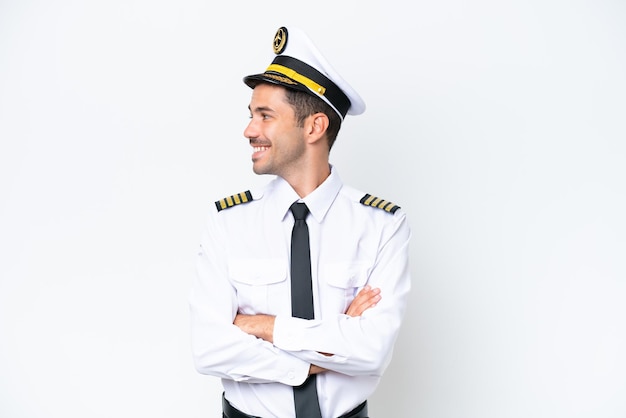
x=318, y=201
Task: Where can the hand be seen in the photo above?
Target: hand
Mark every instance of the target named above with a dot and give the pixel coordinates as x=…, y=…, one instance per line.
x=316, y=369
x=365, y=299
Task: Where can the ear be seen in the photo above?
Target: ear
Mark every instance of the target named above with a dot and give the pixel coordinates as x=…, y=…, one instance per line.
x=316, y=126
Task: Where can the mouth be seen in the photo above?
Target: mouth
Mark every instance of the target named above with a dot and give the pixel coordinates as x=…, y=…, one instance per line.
x=258, y=151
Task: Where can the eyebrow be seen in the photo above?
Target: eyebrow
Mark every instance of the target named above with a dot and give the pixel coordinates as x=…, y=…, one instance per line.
x=261, y=109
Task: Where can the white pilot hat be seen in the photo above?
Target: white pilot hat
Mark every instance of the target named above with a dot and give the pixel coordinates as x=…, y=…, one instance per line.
x=301, y=66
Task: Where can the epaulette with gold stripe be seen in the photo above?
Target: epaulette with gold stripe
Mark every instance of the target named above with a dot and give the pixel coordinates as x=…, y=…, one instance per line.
x=236, y=199
x=369, y=200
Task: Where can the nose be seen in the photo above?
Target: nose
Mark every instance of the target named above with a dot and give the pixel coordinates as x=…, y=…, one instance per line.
x=251, y=131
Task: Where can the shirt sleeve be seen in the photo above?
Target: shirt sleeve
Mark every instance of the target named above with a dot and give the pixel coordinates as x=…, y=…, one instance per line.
x=220, y=348
x=359, y=345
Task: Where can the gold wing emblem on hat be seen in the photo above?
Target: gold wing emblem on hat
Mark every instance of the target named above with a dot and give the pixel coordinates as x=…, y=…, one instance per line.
x=280, y=40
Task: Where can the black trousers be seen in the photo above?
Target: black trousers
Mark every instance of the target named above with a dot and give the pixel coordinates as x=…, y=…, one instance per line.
x=230, y=411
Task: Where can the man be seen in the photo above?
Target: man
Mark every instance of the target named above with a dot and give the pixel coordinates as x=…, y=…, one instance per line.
x=297, y=314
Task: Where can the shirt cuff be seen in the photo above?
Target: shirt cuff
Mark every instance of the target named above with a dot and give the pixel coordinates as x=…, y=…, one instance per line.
x=295, y=374
x=289, y=332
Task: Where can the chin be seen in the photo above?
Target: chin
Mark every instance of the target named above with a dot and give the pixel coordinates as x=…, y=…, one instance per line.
x=259, y=170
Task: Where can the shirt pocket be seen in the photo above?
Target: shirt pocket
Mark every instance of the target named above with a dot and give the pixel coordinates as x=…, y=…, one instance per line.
x=343, y=281
x=260, y=284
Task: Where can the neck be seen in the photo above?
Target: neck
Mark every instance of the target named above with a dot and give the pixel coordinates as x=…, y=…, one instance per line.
x=307, y=180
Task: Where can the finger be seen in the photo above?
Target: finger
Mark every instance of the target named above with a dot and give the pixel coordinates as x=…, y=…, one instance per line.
x=360, y=301
x=365, y=299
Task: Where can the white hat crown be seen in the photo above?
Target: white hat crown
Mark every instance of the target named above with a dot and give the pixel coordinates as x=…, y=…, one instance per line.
x=300, y=65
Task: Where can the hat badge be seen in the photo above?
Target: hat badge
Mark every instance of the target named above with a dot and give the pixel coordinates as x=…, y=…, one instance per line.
x=280, y=40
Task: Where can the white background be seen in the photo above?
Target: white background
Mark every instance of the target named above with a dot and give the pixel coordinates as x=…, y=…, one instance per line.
x=499, y=126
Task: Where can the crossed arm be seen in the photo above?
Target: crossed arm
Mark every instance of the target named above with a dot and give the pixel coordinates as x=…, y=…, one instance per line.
x=262, y=326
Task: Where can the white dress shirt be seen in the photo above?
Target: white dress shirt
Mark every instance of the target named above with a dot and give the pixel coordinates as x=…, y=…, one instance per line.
x=243, y=266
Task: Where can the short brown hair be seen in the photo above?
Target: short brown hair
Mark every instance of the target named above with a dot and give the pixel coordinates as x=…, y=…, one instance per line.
x=305, y=105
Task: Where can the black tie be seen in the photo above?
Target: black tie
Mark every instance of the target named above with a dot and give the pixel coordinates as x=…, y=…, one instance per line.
x=305, y=396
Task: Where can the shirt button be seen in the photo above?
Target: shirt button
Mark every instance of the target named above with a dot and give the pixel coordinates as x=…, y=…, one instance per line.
x=291, y=375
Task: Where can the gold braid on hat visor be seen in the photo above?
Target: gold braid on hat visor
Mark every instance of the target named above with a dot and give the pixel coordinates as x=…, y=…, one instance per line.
x=288, y=72
x=311, y=78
